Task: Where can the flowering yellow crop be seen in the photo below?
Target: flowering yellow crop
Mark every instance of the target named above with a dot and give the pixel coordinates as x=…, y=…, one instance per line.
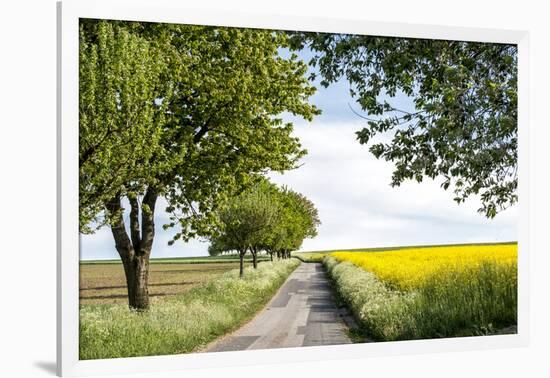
x=409, y=268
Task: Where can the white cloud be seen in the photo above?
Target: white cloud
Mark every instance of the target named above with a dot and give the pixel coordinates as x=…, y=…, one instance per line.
x=359, y=208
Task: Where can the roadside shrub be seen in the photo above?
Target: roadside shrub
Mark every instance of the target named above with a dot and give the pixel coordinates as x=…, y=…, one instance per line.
x=184, y=323
x=378, y=309
x=309, y=257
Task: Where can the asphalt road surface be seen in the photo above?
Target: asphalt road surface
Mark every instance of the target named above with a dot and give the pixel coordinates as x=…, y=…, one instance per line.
x=302, y=313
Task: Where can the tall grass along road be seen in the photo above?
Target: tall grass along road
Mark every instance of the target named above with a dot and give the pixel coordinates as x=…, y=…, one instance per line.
x=180, y=323
x=302, y=313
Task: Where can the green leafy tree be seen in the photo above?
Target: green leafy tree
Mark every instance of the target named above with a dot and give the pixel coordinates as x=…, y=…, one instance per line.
x=121, y=75
x=300, y=220
x=216, y=247
x=266, y=218
x=246, y=220
x=188, y=113
x=463, y=125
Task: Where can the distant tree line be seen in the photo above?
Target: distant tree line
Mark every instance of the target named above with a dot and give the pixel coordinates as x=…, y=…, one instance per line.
x=264, y=218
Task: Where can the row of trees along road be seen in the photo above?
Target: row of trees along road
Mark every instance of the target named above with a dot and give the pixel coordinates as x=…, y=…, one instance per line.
x=264, y=218
x=191, y=114
x=187, y=113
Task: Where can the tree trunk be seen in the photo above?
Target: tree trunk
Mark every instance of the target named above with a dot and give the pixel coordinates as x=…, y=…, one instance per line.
x=254, y=253
x=241, y=263
x=271, y=256
x=135, y=250
x=137, y=278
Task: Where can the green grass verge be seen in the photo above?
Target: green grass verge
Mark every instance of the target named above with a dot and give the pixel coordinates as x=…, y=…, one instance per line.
x=317, y=256
x=184, y=323
x=471, y=302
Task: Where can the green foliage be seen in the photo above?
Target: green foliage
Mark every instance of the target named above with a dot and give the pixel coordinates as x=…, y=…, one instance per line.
x=248, y=218
x=183, y=323
x=192, y=112
x=121, y=74
x=232, y=101
x=216, y=247
x=299, y=220
x=463, y=127
x=469, y=302
x=267, y=218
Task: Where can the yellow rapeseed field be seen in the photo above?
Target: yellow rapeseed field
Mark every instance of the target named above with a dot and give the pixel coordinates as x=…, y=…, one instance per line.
x=409, y=268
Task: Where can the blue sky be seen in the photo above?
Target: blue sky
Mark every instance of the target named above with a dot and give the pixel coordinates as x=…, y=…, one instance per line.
x=351, y=190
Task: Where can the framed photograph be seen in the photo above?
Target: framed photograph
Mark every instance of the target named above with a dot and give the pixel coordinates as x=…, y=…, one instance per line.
x=238, y=188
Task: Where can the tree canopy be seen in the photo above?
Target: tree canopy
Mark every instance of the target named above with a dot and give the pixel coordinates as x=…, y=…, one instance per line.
x=121, y=124
x=187, y=113
x=266, y=218
x=190, y=110
x=463, y=125
x=246, y=220
x=300, y=220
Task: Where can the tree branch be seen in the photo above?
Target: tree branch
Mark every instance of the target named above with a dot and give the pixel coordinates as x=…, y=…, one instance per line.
x=122, y=241
x=134, y=222
x=207, y=124
x=148, y=220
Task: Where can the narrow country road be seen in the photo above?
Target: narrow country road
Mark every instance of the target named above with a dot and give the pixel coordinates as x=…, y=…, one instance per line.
x=302, y=313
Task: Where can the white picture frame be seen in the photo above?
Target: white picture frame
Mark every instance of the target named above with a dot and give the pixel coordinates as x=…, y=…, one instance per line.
x=173, y=11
